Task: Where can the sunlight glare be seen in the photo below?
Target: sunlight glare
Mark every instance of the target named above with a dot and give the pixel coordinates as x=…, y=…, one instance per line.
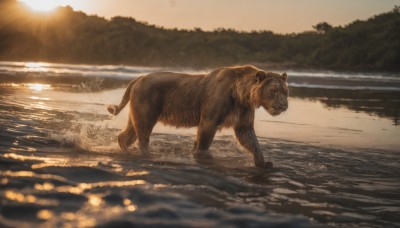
x=38, y=86
x=36, y=66
x=43, y=5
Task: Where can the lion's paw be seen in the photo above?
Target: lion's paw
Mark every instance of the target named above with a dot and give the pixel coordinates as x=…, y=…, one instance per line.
x=268, y=165
x=202, y=155
x=265, y=165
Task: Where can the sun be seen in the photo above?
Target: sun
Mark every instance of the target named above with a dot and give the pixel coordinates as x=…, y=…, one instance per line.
x=43, y=5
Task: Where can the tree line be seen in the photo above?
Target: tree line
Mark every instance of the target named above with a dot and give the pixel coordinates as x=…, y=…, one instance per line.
x=74, y=37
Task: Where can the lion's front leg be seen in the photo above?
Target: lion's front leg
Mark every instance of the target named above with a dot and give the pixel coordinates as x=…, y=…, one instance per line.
x=248, y=139
x=205, y=136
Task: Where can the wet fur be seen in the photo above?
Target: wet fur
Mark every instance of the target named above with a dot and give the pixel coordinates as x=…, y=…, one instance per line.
x=226, y=97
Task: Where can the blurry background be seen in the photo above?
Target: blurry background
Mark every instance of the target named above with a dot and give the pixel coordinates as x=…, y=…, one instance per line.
x=327, y=34
x=288, y=16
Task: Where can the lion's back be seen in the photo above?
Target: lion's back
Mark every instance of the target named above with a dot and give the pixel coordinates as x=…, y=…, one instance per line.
x=177, y=97
x=180, y=99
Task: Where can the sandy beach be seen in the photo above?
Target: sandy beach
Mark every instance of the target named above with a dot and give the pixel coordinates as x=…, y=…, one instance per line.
x=335, y=154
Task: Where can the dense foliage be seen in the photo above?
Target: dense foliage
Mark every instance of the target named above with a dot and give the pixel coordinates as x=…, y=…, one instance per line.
x=70, y=36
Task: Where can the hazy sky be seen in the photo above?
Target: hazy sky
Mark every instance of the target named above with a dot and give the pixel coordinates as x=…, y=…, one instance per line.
x=281, y=16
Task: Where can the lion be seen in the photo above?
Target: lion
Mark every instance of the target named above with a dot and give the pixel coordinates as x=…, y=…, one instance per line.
x=226, y=97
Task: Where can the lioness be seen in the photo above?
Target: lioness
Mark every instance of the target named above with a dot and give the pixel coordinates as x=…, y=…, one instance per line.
x=226, y=97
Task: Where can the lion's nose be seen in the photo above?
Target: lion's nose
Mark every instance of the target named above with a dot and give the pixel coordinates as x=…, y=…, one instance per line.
x=283, y=106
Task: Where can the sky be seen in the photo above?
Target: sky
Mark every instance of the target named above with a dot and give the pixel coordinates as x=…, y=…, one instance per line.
x=279, y=16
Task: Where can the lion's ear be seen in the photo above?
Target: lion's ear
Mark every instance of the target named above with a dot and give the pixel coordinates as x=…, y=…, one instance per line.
x=261, y=76
x=284, y=76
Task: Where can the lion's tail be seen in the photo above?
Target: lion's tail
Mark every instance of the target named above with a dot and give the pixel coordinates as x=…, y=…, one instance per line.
x=116, y=109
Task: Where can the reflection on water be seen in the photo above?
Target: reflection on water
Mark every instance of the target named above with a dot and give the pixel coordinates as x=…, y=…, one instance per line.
x=380, y=103
x=45, y=214
x=38, y=86
x=60, y=164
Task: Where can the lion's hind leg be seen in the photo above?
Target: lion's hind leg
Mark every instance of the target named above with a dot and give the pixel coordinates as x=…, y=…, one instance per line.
x=127, y=137
x=145, y=118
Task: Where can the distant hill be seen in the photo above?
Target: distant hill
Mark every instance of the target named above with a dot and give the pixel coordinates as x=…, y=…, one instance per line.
x=74, y=37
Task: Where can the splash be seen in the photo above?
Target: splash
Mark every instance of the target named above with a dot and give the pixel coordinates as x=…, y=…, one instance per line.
x=89, y=137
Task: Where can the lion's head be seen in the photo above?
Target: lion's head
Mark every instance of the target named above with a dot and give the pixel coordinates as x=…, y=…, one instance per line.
x=271, y=92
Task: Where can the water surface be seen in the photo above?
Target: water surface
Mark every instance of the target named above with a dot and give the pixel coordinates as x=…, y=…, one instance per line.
x=335, y=154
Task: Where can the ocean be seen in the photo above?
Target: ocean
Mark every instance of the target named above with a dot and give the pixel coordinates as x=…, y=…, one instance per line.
x=335, y=152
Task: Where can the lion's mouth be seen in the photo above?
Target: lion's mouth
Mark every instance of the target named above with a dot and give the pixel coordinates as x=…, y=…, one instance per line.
x=274, y=112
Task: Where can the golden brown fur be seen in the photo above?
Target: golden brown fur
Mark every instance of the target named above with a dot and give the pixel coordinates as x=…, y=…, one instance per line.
x=226, y=97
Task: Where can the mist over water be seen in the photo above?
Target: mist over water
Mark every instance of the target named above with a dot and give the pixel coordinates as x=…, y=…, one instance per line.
x=60, y=164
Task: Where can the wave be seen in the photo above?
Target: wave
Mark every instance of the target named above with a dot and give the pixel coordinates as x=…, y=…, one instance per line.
x=344, y=75
x=344, y=87
x=305, y=79
x=54, y=69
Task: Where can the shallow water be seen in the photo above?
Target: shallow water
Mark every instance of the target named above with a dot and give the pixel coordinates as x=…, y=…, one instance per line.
x=60, y=164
